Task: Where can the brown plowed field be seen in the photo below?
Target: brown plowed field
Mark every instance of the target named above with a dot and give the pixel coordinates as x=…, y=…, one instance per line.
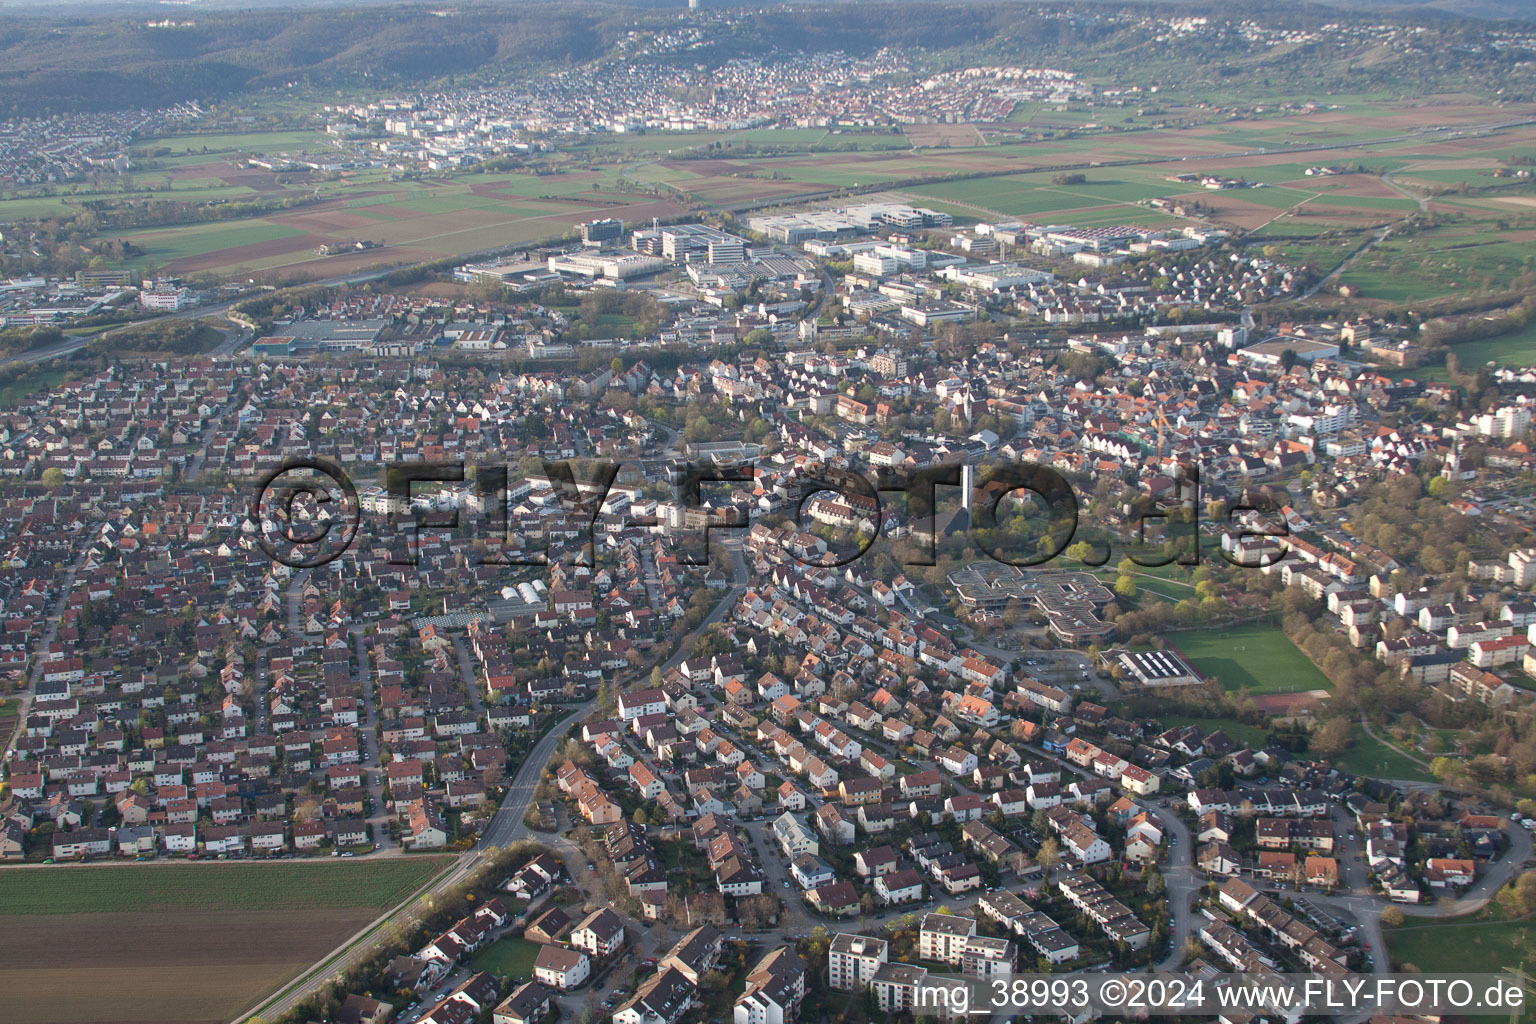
x=159, y=966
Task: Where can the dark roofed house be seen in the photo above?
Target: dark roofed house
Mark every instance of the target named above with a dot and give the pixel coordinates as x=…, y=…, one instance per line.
x=663, y=999
x=528, y=1004
x=550, y=926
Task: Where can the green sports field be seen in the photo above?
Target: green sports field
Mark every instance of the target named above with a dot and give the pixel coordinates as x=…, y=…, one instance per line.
x=1255, y=658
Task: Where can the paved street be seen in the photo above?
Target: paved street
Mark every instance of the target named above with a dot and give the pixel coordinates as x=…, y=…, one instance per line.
x=380, y=819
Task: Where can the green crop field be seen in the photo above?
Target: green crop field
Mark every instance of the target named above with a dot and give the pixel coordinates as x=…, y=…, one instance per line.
x=376, y=884
x=243, y=142
x=165, y=244
x=1256, y=658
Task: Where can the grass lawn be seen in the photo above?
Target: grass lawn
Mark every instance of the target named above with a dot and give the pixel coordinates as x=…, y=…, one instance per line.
x=30, y=383
x=511, y=957
x=1480, y=943
x=1371, y=757
x=1517, y=349
x=1257, y=658
x=215, y=886
x=243, y=142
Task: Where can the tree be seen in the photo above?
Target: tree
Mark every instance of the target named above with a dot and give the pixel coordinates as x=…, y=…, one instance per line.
x=1333, y=737
x=1518, y=898
x=1392, y=917
x=1445, y=770
x=1048, y=857
x=53, y=476
x=817, y=943
x=1079, y=552
x=1125, y=587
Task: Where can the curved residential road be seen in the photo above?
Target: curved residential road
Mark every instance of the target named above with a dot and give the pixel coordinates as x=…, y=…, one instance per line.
x=1486, y=887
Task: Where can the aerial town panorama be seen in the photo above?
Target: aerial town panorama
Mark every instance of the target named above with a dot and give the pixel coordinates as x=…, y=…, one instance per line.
x=688, y=512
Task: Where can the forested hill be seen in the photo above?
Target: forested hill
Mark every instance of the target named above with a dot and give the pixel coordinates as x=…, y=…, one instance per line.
x=70, y=60
x=74, y=59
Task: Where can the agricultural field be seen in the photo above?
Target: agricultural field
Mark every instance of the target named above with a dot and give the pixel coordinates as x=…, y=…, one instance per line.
x=1447, y=260
x=1257, y=659
x=296, y=213
x=997, y=171
x=199, y=943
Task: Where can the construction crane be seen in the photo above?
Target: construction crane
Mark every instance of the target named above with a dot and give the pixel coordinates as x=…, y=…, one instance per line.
x=1162, y=424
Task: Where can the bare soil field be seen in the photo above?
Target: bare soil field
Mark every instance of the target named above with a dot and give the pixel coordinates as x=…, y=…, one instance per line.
x=1365, y=185
x=1236, y=212
x=164, y=966
x=939, y=134
x=242, y=255
x=417, y=236
x=1348, y=216
x=178, y=943
x=177, y=936
x=138, y=995
x=333, y=221
x=217, y=169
